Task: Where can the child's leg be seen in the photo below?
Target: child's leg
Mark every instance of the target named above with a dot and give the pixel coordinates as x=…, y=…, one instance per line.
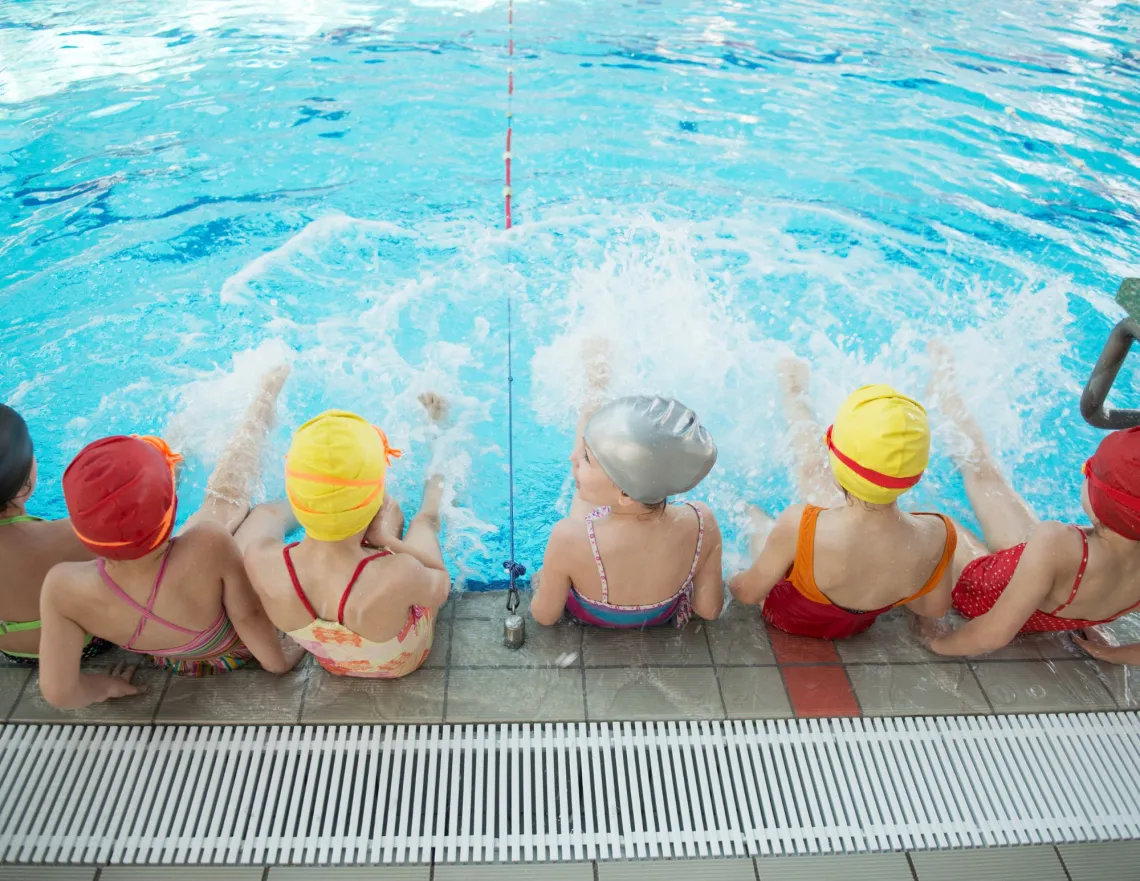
x=811, y=469
x=1005, y=517
x=422, y=537
x=230, y=487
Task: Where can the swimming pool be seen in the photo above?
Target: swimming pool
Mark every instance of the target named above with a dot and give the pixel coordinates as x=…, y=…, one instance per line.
x=193, y=192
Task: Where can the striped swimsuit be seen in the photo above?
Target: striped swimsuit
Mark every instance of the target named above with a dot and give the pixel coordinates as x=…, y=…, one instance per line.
x=213, y=650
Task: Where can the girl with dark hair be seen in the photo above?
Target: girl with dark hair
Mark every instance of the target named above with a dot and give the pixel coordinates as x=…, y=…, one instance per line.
x=29, y=546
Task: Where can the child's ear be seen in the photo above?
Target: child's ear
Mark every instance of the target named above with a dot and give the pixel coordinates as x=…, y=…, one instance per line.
x=625, y=501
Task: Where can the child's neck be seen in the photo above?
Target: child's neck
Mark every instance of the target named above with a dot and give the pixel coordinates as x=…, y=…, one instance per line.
x=13, y=509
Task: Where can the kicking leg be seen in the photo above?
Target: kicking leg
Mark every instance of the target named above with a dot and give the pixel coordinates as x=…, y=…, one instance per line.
x=1005, y=517
x=230, y=487
x=811, y=470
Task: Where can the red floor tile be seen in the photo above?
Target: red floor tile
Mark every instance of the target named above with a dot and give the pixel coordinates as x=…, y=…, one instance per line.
x=801, y=649
x=820, y=690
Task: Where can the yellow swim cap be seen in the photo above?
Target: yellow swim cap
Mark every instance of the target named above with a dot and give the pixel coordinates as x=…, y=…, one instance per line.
x=334, y=474
x=879, y=444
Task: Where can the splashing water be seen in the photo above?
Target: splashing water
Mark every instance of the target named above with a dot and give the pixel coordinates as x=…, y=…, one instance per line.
x=196, y=193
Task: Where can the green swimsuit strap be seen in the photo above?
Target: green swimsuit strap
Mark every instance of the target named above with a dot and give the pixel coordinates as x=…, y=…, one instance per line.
x=19, y=518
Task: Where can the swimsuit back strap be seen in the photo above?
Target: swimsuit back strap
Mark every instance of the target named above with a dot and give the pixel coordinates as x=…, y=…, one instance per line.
x=802, y=574
x=19, y=518
x=146, y=613
x=947, y=555
x=352, y=581
x=1080, y=571
x=297, y=582
x=600, y=512
x=700, y=541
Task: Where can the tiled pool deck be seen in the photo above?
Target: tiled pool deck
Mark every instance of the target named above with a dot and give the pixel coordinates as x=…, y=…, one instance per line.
x=1075, y=862
x=731, y=668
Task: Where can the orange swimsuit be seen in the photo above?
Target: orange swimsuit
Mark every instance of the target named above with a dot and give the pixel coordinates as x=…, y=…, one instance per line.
x=797, y=605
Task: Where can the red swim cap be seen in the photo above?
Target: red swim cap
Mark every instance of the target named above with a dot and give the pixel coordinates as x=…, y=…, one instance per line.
x=120, y=494
x=1114, y=482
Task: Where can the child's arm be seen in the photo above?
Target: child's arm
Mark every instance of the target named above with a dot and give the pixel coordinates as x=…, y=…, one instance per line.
x=773, y=561
x=552, y=582
x=61, y=651
x=1032, y=581
x=245, y=611
x=708, y=583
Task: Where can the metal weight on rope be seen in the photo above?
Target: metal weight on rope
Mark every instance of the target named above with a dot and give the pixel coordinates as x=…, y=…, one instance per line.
x=514, y=627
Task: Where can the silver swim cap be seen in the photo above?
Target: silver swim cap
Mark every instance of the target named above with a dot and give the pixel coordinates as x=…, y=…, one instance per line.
x=650, y=447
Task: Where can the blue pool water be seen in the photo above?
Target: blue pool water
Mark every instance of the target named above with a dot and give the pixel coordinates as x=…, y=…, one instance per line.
x=193, y=190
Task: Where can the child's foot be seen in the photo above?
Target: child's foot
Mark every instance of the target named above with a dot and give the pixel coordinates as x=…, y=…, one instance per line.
x=944, y=393
x=437, y=407
x=596, y=361
x=795, y=377
x=272, y=381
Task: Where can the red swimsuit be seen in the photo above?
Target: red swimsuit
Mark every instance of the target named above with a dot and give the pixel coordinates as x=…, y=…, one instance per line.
x=984, y=579
x=797, y=605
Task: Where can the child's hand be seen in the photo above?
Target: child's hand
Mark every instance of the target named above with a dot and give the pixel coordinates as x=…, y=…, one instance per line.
x=929, y=629
x=115, y=683
x=294, y=654
x=1104, y=647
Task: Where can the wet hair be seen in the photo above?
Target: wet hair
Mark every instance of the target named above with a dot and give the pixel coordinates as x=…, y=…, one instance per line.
x=16, y=454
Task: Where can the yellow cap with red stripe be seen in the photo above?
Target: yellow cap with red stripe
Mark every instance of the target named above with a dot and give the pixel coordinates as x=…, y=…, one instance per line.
x=879, y=445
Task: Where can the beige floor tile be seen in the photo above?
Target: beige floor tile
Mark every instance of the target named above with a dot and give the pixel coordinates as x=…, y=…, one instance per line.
x=47, y=873
x=528, y=694
x=1043, y=686
x=12, y=682
x=1036, y=863
x=1107, y=861
x=889, y=641
x=653, y=693
x=754, y=693
x=854, y=867
x=440, y=646
x=486, y=604
x=182, y=873
x=246, y=695
x=916, y=689
x=1037, y=647
x=678, y=870
x=1122, y=682
x=364, y=873
x=739, y=642
x=479, y=643
x=137, y=708
x=537, y=872
x=417, y=697
x=666, y=646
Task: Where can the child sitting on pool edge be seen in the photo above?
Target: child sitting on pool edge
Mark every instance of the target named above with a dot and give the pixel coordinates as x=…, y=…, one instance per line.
x=1032, y=576
x=663, y=561
x=828, y=570
x=359, y=611
x=185, y=601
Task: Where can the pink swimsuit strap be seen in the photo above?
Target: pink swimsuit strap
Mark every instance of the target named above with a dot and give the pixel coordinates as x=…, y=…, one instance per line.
x=146, y=613
x=604, y=511
x=343, y=598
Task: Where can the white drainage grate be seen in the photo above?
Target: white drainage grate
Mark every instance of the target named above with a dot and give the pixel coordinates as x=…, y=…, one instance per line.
x=622, y=790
